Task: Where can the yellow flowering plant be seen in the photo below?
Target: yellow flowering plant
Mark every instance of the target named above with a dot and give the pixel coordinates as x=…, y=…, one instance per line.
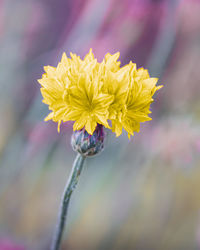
x=94, y=95
x=90, y=93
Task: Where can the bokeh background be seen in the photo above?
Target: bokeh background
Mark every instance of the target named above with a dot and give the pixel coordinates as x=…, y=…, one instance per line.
x=138, y=194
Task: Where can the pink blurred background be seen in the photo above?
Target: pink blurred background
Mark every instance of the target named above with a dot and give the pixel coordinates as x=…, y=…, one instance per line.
x=138, y=194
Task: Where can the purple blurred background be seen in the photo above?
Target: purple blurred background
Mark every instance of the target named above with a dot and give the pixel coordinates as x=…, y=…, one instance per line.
x=138, y=194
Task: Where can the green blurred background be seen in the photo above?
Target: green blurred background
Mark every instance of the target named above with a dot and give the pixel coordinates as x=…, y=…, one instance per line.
x=137, y=194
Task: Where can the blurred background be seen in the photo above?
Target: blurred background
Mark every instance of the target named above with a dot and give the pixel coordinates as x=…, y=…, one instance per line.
x=137, y=194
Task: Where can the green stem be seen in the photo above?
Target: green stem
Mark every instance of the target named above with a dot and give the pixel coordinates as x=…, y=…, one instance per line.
x=70, y=186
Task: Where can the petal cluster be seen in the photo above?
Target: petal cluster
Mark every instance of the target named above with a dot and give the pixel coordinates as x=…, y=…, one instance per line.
x=90, y=93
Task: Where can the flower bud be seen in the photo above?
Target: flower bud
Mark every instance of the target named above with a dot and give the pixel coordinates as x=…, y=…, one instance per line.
x=86, y=144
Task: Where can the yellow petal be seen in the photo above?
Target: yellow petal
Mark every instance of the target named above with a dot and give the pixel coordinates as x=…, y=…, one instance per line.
x=90, y=126
x=59, y=122
x=49, y=117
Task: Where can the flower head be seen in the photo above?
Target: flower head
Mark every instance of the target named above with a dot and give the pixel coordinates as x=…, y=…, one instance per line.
x=91, y=93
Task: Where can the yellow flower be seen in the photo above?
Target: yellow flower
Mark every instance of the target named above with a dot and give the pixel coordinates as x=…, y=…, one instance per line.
x=90, y=93
x=137, y=103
